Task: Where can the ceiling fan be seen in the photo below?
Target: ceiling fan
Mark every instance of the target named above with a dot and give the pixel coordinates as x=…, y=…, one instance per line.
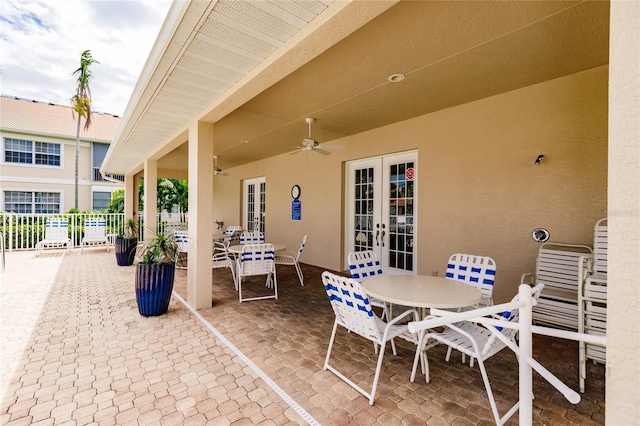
x=310, y=144
x=217, y=170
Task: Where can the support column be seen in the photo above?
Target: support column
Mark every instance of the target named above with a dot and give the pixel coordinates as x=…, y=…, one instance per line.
x=199, y=284
x=150, y=198
x=130, y=195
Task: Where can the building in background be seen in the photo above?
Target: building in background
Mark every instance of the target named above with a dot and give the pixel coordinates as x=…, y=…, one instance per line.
x=37, y=167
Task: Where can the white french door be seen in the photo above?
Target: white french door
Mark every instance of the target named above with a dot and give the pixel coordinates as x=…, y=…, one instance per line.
x=381, y=209
x=254, y=203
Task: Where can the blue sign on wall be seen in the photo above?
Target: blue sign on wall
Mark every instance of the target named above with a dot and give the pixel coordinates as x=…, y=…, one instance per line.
x=296, y=210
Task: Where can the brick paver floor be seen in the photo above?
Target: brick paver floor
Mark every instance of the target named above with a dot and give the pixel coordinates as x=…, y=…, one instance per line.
x=76, y=351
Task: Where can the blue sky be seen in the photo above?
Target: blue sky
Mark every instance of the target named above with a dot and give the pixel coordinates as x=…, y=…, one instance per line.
x=41, y=42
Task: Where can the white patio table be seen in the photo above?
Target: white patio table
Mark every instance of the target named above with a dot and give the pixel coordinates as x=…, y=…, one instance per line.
x=422, y=291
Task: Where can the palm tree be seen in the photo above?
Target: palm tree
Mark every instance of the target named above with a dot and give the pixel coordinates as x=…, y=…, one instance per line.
x=82, y=102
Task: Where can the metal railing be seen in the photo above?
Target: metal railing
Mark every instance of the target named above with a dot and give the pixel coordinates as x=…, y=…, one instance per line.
x=523, y=350
x=24, y=231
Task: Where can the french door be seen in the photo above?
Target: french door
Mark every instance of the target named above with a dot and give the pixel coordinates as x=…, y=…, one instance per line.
x=254, y=203
x=381, y=209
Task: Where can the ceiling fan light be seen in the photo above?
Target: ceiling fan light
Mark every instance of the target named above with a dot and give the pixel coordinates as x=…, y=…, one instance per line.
x=396, y=78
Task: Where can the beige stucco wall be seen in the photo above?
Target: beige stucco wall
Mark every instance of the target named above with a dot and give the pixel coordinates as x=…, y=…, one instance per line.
x=56, y=179
x=623, y=308
x=479, y=190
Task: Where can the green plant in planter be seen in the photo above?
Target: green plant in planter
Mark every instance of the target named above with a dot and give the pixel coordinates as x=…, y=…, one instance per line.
x=161, y=249
x=126, y=242
x=155, y=273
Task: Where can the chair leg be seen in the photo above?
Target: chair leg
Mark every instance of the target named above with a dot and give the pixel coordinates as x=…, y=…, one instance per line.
x=235, y=280
x=333, y=337
x=377, y=375
x=300, y=276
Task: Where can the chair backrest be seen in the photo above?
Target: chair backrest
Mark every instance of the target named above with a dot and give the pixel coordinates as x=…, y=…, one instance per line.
x=494, y=344
x=351, y=305
x=57, y=229
x=364, y=264
x=182, y=240
x=304, y=241
x=256, y=259
x=95, y=228
x=600, y=246
x=251, y=237
x=232, y=228
x=558, y=265
x=478, y=271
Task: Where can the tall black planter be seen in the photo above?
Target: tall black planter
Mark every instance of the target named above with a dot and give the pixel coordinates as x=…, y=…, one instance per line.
x=154, y=284
x=125, y=250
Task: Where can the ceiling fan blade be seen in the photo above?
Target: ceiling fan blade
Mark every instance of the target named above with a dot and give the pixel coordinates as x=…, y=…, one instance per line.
x=321, y=151
x=332, y=146
x=297, y=151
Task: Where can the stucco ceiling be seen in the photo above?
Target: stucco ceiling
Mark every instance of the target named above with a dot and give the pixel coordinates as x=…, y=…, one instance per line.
x=451, y=53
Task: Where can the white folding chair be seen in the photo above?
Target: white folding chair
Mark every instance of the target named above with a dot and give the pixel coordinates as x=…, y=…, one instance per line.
x=182, y=240
x=477, y=341
x=56, y=235
x=221, y=259
x=95, y=234
x=365, y=264
x=255, y=260
x=352, y=309
x=291, y=258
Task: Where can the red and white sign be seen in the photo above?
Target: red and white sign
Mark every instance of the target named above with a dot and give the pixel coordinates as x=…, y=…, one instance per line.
x=409, y=173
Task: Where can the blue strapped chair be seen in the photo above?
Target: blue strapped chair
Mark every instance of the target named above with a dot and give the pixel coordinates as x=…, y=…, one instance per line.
x=56, y=235
x=257, y=259
x=365, y=264
x=182, y=240
x=478, y=341
x=251, y=237
x=478, y=271
x=352, y=309
x=95, y=233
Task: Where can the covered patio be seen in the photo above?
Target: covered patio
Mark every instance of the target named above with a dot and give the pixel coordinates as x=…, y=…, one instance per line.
x=76, y=350
x=489, y=88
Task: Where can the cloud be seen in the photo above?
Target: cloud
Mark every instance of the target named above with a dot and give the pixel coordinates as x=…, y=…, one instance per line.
x=42, y=42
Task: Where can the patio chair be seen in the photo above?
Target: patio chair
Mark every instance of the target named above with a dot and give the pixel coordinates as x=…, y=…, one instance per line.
x=221, y=259
x=365, y=264
x=95, y=234
x=182, y=240
x=291, y=258
x=478, y=271
x=56, y=235
x=251, y=237
x=256, y=260
x=592, y=300
x=232, y=228
x=352, y=309
x=477, y=341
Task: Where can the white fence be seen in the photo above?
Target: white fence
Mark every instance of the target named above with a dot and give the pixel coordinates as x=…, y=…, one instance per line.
x=23, y=231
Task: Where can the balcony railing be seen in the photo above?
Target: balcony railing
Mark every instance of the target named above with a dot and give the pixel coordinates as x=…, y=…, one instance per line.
x=24, y=231
x=98, y=177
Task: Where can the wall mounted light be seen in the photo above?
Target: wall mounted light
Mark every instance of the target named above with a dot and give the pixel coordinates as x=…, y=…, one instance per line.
x=539, y=159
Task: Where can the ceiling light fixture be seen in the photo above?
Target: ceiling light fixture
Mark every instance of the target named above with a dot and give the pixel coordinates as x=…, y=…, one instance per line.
x=396, y=78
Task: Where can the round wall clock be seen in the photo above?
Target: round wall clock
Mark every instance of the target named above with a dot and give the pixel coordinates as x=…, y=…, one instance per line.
x=295, y=191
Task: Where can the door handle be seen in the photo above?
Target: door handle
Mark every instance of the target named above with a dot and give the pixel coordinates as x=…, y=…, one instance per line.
x=377, y=234
x=383, y=234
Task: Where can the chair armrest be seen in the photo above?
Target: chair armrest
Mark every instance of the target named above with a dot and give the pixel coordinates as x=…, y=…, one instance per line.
x=404, y=314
